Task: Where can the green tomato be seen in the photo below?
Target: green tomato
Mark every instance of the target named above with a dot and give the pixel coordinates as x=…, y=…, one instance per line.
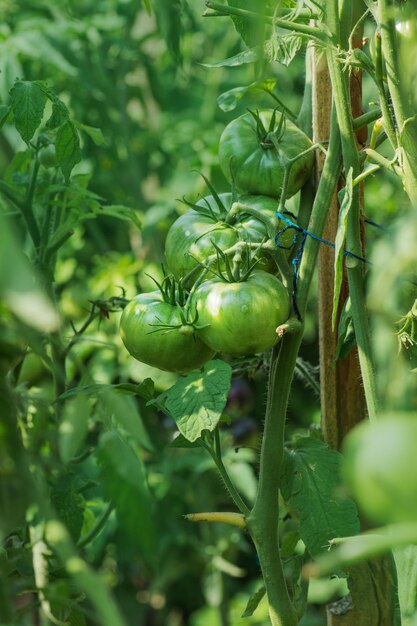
x=380, y=468
x=47, y=156
x=154, y=333
x=253, y=161
x=240, y=319
x=192, y=236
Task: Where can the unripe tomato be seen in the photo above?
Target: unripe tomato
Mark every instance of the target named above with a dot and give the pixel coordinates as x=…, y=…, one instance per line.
x=240, y=318
x=251, y=159
x=380, y=468
x=192, y=236
x=154, y=333
x=47, y=156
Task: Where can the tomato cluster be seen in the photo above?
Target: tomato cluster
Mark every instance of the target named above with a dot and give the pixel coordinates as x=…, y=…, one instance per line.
x=223, y=294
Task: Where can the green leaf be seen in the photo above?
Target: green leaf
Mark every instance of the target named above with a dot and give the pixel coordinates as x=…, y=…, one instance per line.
x=73, y=427
x=28, y=101
x=67, y=146
x=122, y=212
x=60, y=113
x=124, y=414
x=95, y=134
x=196, y=401
x=253, y=602
x=310, y=483
x=345, y=196
x=124, y=482
x=251, y=55
x=68, y=504
x=145, y=389
x=250, y=29
x=229, y=100
x=283, y=48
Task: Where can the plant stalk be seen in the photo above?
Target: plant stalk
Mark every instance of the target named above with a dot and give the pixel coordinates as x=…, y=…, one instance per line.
x=351, y=161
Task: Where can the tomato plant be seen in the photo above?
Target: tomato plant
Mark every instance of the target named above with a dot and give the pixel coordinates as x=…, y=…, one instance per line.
x=255, y=149
x=102, y=455
x=232, y=314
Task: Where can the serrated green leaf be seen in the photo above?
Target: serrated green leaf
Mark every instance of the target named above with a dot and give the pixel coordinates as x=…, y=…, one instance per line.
x=283, y=48
x=229, y=100
x=310, y=482
x=68, y=504
x=345, y=196
x=60, y=113
x=124, y=481
x=67, y=146
x=253, y=602
x=122, y=212
x=196, y=401
x=251, y=55
x=95, y=134
x=28, y=101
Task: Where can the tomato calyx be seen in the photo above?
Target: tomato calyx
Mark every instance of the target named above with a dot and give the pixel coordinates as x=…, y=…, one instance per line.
x=174, y=294
x=172, y=291
x=238, y=268
x=269, y=138
x=221, y=216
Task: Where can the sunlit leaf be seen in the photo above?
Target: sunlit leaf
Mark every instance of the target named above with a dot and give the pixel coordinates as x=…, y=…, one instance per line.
x=196, y=401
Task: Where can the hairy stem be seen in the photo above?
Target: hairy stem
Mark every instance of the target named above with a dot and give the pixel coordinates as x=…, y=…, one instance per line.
x=263, y=521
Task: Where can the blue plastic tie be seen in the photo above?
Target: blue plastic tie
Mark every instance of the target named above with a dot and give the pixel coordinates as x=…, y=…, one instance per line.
x=297, y=259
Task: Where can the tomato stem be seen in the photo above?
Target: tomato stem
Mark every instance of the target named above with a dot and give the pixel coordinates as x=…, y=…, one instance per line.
x=215, y=453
